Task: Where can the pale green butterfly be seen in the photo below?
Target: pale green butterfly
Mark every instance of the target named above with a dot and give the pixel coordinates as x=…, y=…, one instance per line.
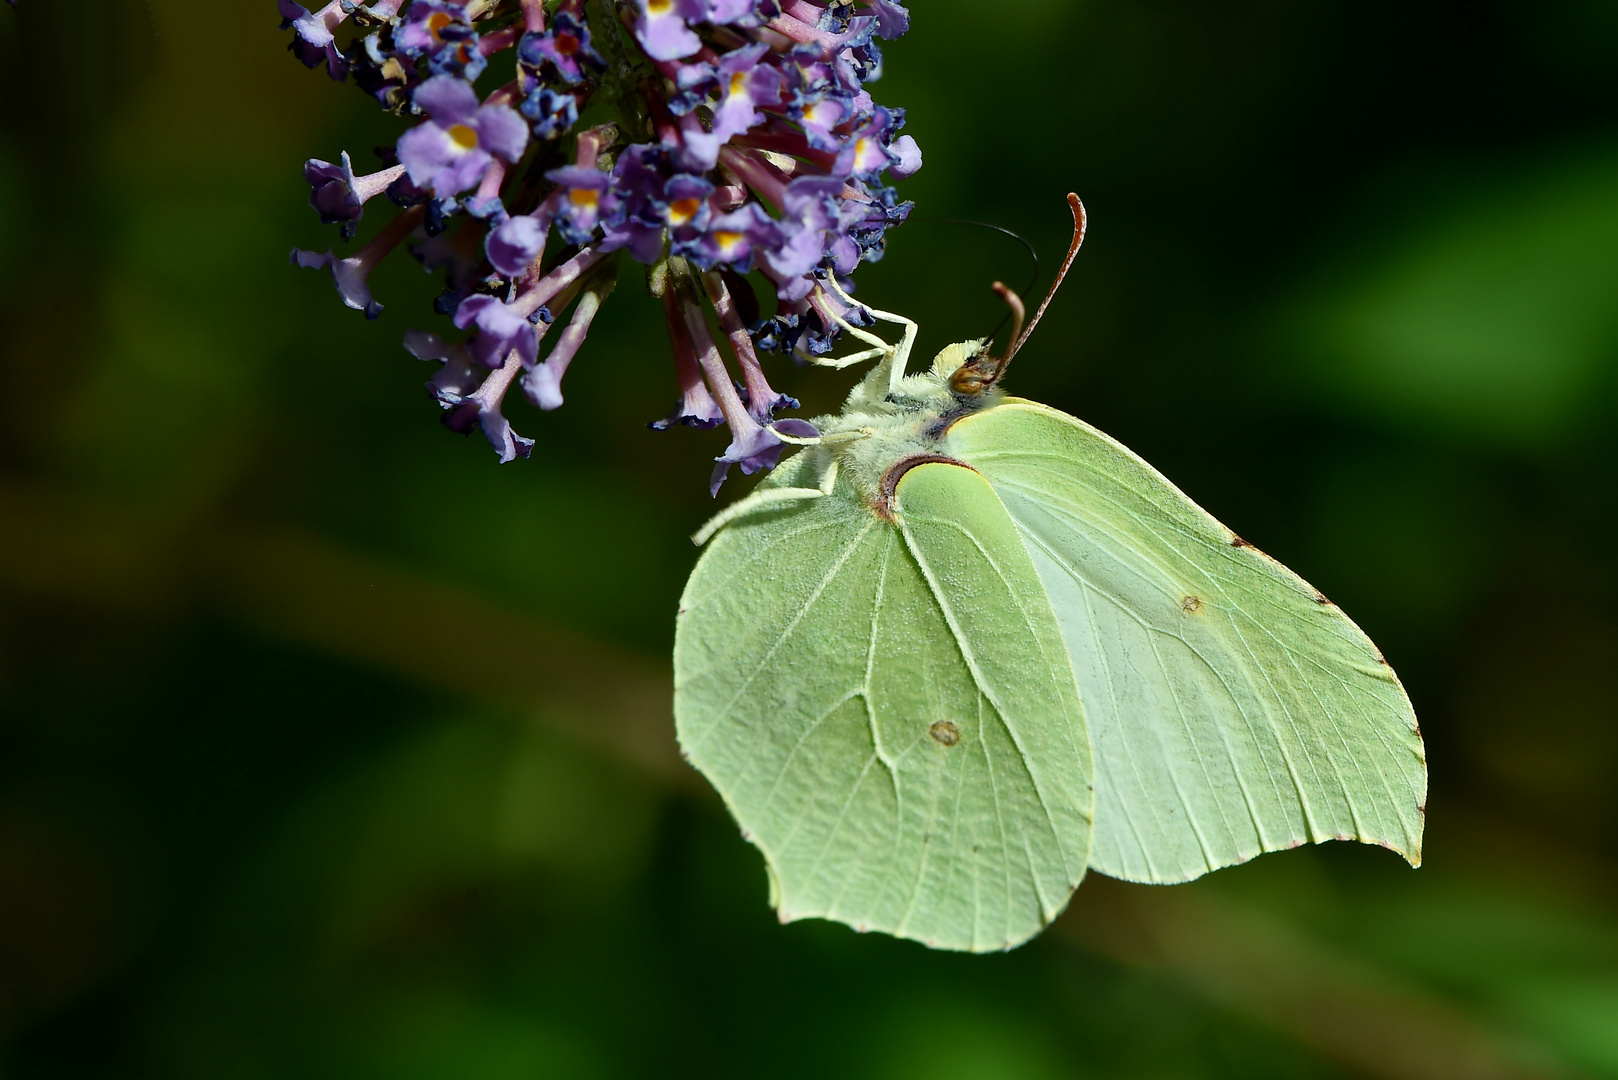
x=963, y=646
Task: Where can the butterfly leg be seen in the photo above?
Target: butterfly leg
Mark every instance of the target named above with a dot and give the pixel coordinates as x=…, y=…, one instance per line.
x=879, y=347
x=839, y=362
x=834, y=438
x=901, y=352
x=769, y=497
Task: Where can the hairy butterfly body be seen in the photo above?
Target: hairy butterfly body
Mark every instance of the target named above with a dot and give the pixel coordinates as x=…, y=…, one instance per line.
x=962, y=647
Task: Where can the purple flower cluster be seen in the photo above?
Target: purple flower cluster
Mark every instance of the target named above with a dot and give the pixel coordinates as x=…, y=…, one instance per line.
x=743, y=149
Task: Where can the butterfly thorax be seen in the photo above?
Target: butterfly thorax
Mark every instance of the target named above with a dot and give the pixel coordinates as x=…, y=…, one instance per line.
x=910, y=420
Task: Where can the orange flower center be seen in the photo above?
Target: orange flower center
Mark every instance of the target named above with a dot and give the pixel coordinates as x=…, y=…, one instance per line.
x=584, y=198
x=683, y=210
x=464, y=137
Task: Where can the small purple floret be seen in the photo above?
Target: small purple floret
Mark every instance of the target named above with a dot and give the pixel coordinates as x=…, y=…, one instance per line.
x=459, y=376
x=339, y=196
x=731, y=239
x=347, y=274
x=745, y=85
x=429, y=25
x=758, y=450
x=313, y=42
x=892, y=20
x=553, y=112
x=332, y=190
x=907, y=158
x=580, y=200
x=455, y=147
x=514, y=246
x=500, y=331
x=662, y=30
x=563, y=47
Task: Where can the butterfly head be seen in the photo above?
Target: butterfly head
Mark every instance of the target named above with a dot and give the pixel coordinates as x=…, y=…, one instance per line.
x=954, y=359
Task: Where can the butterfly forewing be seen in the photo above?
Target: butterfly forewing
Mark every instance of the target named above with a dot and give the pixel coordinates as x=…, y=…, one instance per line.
x=834, y=689
x=1232, y=709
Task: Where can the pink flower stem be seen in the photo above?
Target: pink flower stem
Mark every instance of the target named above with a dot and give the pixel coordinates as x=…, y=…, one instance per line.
x=803, y=33
x=685, y=354
x=533, y=15
x=784, y=142
x=531, y=276
x=383, y=243
x=736, y=415
x=503, y=96
x=558, y=279
x=369, y=187
x=727, y=198
x=756, y=174
x=500, y=40
x=489, y=187
x=759, y=392
x=332, y=15
x=804, y=11
x=587, y=148
x=493, y=388
x=567, y=347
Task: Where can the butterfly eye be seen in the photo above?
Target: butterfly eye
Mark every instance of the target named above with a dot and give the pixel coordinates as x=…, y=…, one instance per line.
x=967, y=380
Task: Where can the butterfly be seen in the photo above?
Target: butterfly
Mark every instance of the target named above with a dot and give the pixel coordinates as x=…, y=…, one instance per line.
x=962, y=647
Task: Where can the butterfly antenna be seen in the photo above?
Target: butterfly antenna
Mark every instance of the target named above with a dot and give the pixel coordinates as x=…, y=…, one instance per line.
x=1015, y=302
x=1019, y=313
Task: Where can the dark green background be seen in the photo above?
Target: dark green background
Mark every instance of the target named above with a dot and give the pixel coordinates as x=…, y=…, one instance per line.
x=330, y=747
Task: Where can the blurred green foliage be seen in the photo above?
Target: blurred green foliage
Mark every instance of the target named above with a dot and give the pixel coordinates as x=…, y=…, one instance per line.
x=328, y=747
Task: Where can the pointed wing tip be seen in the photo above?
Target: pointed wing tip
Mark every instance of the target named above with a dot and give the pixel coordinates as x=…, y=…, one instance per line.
x=1410, y=852
x=1411, y=855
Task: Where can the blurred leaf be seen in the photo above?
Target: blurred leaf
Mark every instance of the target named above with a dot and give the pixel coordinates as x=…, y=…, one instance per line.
x=352, y=929
x=1495, y=316
x=1408, y=546
x=956, y=1039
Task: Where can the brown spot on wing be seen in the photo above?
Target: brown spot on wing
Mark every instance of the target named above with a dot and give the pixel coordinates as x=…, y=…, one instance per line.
x=1191, y=605
x=945, y=732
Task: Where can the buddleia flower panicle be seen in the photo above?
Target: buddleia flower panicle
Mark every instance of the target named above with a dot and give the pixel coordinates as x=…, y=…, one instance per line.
x=729, y=142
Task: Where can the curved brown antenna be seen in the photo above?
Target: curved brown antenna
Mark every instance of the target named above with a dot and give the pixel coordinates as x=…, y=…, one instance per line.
x=1018, y=314
x=1011, y=298
x=983, y=371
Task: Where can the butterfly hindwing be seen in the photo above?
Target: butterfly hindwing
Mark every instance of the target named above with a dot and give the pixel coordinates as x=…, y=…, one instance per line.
x=834, y=689
x=1233, y=710
x=1035, y=771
